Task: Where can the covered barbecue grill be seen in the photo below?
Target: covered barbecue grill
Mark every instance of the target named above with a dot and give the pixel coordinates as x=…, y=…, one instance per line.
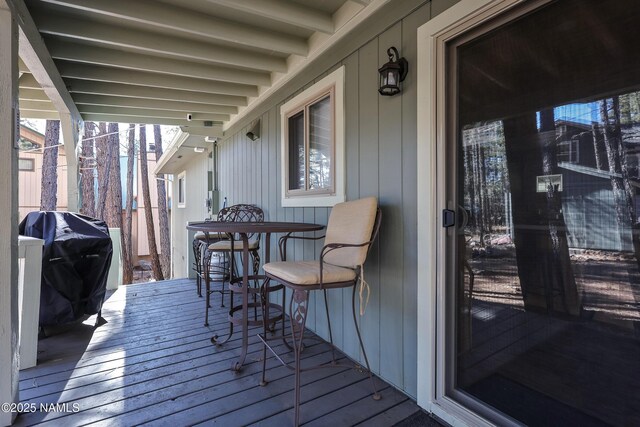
x=75, y=263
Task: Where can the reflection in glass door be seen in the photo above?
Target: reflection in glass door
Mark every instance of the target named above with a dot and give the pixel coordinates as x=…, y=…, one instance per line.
x=546, y=148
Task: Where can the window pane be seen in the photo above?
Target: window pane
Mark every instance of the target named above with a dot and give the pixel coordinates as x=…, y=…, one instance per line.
x=296, y=152
x=25, y=164
x=180, y=190
x=320, y=144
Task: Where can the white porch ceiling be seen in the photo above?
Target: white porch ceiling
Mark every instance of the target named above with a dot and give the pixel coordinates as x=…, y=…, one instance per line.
x=154, y=61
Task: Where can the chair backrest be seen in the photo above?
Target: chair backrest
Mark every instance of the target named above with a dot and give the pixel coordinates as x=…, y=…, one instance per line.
x=353, y=222
x=242, y=213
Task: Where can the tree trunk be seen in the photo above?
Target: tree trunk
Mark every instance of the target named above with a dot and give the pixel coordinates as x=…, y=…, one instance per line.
x=163, y=212
x=49, y=194
x=561, y=277
x=113, y=207
x=148, y=211
x=623, y=192
x=113, y=210
x=542, y=256
x=127, y=270
x=102, y=164
x=87, y=171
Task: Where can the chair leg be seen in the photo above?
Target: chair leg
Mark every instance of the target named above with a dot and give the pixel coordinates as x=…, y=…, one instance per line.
x=256, y=267
x=207, y=298
x=326, y=307
x=197, y=254
x=206, y=265
x=264, y=294
x=298, y=318
x=376, y=395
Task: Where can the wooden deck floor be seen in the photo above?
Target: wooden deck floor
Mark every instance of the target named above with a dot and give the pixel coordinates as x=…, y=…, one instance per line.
x=153, y=363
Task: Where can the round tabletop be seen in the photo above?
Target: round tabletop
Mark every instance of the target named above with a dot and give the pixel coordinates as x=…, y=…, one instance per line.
x=253, y=227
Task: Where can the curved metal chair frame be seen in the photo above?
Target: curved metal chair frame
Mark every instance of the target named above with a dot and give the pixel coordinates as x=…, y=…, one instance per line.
x=235, y=213
x=298, y=314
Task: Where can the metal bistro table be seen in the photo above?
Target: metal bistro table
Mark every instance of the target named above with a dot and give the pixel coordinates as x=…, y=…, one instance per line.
x=241, y=284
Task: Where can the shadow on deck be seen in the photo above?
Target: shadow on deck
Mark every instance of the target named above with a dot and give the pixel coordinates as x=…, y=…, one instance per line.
x=153, y=363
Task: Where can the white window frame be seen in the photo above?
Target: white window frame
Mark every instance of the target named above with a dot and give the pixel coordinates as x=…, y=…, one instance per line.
x=334, y=83
x=182, y=178
x=27, y=159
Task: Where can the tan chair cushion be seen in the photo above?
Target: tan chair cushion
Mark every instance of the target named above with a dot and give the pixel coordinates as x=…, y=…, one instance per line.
x=350, y=222
x=308, y=272
x=225, y=245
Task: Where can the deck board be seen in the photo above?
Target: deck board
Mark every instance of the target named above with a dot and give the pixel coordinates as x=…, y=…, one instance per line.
x=153, y=363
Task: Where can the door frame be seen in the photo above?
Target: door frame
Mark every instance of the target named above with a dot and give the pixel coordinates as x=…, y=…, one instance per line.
x=431, y=199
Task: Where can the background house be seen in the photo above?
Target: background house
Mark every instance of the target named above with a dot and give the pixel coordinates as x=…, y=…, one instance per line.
x=30, y=176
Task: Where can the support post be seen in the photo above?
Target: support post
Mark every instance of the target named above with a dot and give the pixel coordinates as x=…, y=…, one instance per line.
x=9, y=211
x=71, y=135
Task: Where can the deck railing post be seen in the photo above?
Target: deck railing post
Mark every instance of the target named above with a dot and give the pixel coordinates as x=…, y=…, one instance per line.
x=29, y=278
x=8, y=212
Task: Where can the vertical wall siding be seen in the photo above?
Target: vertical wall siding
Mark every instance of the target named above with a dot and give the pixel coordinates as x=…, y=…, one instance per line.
x=380, y=158
x=194, y=210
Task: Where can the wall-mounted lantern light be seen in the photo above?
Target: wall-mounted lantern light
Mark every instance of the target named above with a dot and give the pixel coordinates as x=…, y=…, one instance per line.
x=392, y=73
x=254, y=133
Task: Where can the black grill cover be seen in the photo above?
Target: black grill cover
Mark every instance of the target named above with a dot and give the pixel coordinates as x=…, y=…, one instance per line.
x=75, y=263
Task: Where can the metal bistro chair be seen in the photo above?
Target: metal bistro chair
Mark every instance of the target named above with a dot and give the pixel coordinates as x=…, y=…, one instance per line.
x=199, y=246
x=235, y=213
x=352, y=228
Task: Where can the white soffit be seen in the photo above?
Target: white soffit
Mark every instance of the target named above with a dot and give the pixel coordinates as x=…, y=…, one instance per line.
x=155, y=61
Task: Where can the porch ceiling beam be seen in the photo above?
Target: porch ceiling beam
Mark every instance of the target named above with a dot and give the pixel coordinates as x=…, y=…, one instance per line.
x=22, y=67
x=120, y=101
x=44, y=115
x=203, y=131
x=91, y=117
x=283, y=11
x=27, y=81
x=133, y=61
x=141, y=78
x=184, y=21
x=37, y=105
x=139, y=112
x=157, y=44
x=32, y=95
x=36, y=58
x=134, y=91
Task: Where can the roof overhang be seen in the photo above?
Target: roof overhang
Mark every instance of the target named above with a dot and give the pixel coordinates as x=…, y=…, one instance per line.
x=183, y=149
x=157, y=61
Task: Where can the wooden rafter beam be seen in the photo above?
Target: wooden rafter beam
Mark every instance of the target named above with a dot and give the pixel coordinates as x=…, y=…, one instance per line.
x=90, y=117
x=181, y=20
x=134, y=61
x=22, y=67
x=202, y=131
x=28, y=94
x=139, y=112
x=37, y=105
x=156, y=44
x=120, y=101
x=283, y=11
x=43, y=115
x=134, y=91
x=35, y=56
x=141, y=78
x=27, y=81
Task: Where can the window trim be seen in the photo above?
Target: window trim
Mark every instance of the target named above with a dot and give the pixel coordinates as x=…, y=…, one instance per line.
x=332, y=85
x=29, y=159
x=182, y=177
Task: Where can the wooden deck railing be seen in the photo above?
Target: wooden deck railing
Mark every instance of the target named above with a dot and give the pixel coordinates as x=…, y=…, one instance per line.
x=29, y=274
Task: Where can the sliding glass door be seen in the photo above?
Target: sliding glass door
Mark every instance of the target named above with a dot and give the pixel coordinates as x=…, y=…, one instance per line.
x=543, y=263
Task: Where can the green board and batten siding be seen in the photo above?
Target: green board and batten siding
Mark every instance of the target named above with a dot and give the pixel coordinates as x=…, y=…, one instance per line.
x=380, y=153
